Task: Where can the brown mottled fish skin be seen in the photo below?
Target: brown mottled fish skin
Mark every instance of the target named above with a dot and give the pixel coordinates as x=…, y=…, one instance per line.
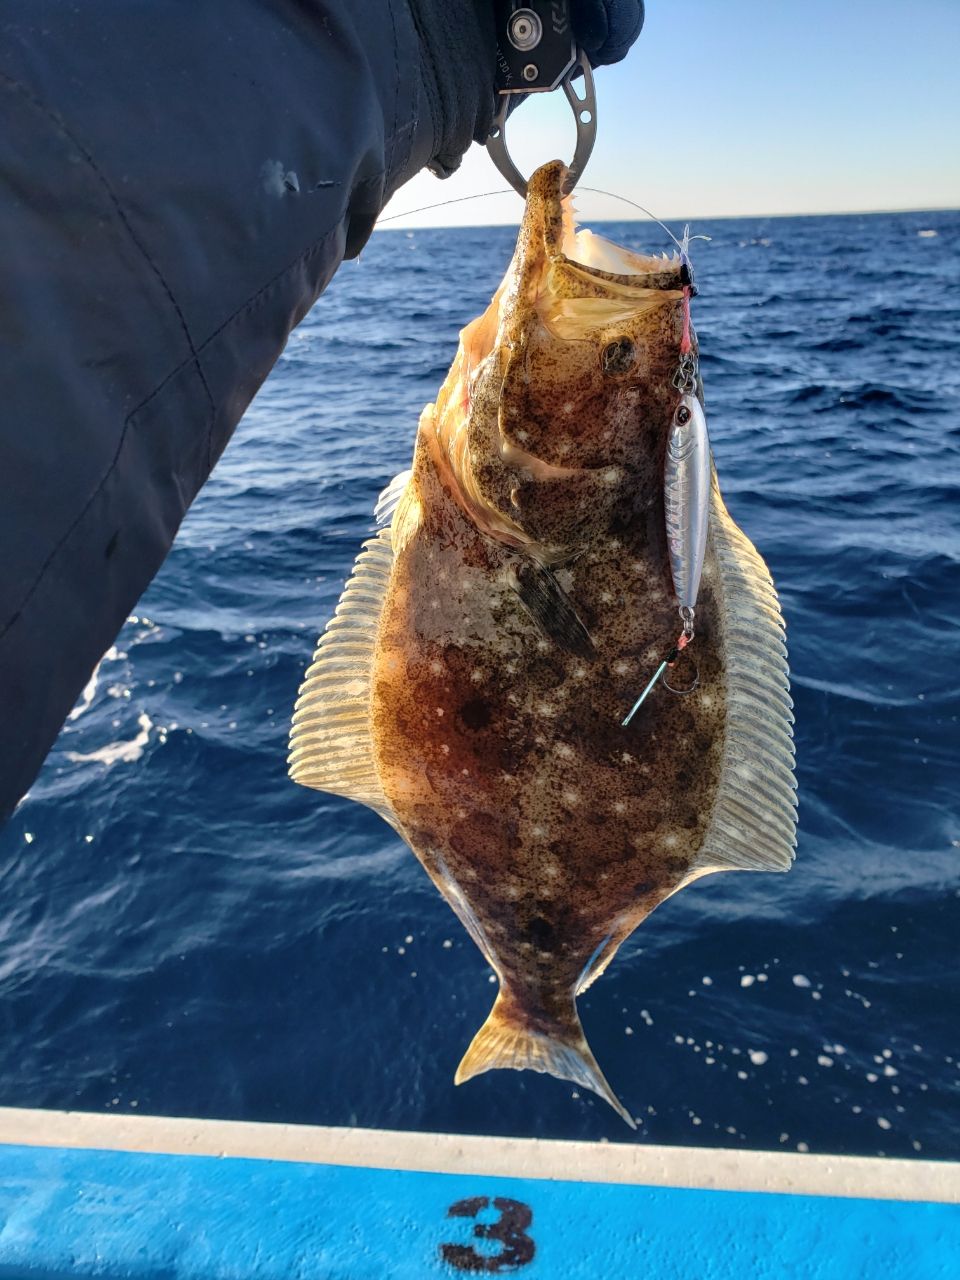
x=551, y=829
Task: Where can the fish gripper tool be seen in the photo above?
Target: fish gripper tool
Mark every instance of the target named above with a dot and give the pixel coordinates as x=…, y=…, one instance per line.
x=537, y=53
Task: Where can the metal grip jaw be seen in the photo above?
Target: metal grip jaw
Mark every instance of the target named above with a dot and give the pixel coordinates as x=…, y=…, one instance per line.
x=536, y=53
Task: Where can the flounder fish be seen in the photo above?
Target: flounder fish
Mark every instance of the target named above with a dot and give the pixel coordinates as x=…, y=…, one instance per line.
x=474, y=685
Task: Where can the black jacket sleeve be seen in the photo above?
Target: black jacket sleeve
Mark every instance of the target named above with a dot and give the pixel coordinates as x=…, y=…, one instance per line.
x=178, y=183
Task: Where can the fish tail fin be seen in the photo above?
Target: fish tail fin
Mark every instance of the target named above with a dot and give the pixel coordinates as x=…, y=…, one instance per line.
x=506, y=1040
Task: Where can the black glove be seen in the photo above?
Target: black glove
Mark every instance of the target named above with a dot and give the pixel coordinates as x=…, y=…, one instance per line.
x=459, y=49
x=605, y=29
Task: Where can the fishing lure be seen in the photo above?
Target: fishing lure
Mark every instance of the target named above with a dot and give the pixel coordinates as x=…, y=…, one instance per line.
x=686, y=499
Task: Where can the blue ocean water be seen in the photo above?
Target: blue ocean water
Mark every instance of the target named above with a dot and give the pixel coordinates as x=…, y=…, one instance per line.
x=184, y=931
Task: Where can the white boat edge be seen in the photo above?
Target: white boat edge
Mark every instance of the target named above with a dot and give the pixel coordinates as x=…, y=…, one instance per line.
x=705, y=1168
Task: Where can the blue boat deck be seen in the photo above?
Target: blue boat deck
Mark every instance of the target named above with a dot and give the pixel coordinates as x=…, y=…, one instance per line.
x=121, y=1196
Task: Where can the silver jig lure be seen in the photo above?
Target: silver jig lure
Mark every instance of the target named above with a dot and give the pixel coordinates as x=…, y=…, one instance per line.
x=686, y=501
x=686, y=498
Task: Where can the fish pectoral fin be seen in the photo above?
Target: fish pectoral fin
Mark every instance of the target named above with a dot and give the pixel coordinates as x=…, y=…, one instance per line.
x=551, y=610
x=561, y=1050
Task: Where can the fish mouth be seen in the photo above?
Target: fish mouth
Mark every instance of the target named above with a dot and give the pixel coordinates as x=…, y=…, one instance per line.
x=582, y=287
x=581, y=248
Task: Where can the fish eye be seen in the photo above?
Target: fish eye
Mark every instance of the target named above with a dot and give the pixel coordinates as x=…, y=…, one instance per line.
x=617, y=356
x=682, y=415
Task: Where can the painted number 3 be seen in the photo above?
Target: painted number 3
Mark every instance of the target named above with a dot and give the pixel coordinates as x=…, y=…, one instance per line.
x=510, y=1229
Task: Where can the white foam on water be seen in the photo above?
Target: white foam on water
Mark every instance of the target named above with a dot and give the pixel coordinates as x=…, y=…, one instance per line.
x=90, y=688
x=118, y=752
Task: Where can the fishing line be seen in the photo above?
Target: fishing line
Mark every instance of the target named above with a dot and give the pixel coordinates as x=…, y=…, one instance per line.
x=596, y=191
x=480, y=195
x=613, y=196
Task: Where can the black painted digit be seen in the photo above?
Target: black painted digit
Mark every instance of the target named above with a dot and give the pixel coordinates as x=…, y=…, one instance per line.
x=510, y=1229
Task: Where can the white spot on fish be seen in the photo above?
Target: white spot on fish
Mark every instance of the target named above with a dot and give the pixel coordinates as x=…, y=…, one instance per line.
x=568, y=407
x=612, y=475
x=706, y=699
x=579, y=673
x=571, y=797
x=757, y=1057
x=801, y=980
x=621, y=668
x=545, y=709
x=439, y=711
x=606, y=597
x=476, y=676
x=619, y=807
x=436, y=668
x=444, y=748
x=670, y=841
x=564, y=751
x=543, y=646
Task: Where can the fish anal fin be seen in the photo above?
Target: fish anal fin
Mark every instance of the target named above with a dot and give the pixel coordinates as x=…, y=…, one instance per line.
x=331, y=748
x=753, y=824
x=508, y=1040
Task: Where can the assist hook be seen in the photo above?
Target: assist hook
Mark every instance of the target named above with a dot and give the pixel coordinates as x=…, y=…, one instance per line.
x=536, y=53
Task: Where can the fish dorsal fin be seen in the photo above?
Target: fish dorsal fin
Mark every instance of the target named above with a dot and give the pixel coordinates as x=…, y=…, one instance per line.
x=331, y=748
x=389, y=500
x=753, y=825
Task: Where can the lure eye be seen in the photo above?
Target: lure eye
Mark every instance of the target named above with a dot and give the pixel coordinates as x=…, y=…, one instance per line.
x=617, y=356
x=682, y=416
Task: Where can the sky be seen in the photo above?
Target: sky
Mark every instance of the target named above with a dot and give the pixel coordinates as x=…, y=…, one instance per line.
x=743, y=107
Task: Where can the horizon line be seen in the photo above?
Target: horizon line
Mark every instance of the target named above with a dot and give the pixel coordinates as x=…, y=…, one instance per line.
x=679, y=218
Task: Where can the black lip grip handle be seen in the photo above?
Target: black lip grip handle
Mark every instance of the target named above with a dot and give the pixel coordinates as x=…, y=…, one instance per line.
x=536, y=53
x=535, y=45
